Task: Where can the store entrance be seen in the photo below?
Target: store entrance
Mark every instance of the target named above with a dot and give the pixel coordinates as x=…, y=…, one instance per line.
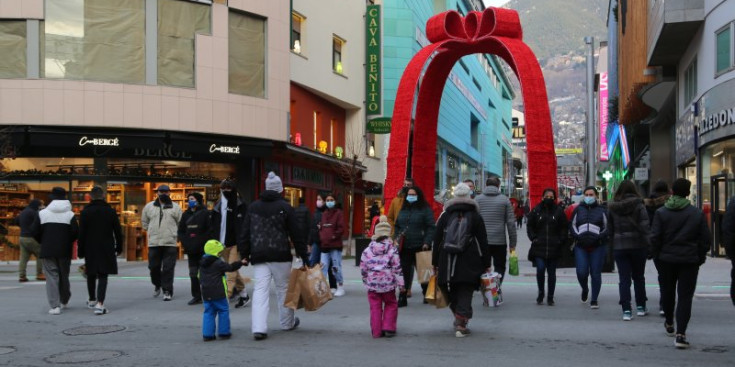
x=292, y=195
x=722, y=189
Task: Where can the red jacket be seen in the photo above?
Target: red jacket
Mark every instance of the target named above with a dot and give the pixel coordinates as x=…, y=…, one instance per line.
x=331, y=229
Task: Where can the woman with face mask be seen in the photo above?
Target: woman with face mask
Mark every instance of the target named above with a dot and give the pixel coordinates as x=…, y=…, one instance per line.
x=193, y=234
x=547, y=230
x=331, y=228
x=315, y=256
x=415, y=223
x=589, y=229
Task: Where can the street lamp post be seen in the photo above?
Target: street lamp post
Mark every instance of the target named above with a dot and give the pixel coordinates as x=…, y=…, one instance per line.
x=590, y=126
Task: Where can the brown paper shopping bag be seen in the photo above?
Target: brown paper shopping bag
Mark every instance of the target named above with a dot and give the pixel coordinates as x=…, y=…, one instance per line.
x=435, y=295
x=314, y=288
x=293, y=294
x=424, y=269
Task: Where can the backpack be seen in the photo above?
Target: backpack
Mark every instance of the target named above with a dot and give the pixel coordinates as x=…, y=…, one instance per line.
x=457, y=233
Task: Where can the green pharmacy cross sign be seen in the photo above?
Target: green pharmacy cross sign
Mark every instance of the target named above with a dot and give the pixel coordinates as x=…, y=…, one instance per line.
x=607, y=175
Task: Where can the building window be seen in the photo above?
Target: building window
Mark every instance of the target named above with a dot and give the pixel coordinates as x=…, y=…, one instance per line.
x=690, y=82
x=297, y=23
x=337, y=45
x=247, y=54
x=475, y=132
x=178, y=24
x=723, y=48
x=94, y=40
x=12, y=49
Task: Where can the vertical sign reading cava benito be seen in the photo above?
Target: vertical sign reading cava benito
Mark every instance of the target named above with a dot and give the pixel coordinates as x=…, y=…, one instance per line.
x=373, y=92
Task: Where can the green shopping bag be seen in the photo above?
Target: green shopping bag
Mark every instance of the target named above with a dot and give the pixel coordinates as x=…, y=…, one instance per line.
x=513, y=263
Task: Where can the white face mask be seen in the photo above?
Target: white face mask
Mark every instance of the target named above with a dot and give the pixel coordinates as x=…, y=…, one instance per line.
x=319, y=203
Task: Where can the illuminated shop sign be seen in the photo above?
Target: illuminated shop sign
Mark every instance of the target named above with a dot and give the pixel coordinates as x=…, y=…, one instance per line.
x=104, y=142
x=224, y=149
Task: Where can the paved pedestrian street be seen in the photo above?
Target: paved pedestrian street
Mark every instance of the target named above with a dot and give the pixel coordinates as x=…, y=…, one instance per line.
x=144, y=331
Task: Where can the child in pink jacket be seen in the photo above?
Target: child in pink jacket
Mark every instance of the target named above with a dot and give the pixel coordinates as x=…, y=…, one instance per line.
x=380, y=266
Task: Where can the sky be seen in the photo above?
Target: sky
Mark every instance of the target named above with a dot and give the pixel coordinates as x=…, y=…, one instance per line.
x=494, y=2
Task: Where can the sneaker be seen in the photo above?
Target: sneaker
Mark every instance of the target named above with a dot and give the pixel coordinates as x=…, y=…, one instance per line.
x=681, y=342
x=224, y=336
x=669, y=329
x=194, y=301
x=627, y=316
x=661, y=312
x=99, y=309
x=167, y=296
x=63, y=306
x=40, y=277
x=22, y=279
x=389, y=334
x=641, y=311
x=156, y=292
x=55, y=311
x=209, y=338
x=585, y=295
x=296, y=323
x=243, y=301
x=500, y=298
x=594, y=305
x=260, y=336
x=91, y=303
x=333, y=290
x=461, y=331
x=339, y=292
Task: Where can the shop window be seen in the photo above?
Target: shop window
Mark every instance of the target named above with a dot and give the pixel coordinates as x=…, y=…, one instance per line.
x=12, y=49
x=690, y=82
x=337, y=46
x=723, y=46
x=297, y=24
x=247, y=54
x=94, y=40
x=178, y=24
x=475, y=132
x=371, y=150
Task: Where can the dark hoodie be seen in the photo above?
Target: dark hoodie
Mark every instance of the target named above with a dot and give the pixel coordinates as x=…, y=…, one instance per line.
x=679, y=233
x=266, y=229
x=629, y=223
x=27, y=216
x=211, y=276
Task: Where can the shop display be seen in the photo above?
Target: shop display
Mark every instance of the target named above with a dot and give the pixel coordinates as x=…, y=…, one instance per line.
x=13, y=198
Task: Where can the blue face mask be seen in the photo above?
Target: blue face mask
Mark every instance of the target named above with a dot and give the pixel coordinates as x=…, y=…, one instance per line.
x=589, y=200
x=411, y=198
x=330, y=204
x=193, y=203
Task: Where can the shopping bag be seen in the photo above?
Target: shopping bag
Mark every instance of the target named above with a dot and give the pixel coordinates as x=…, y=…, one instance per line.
x=424, y=270
x=435, y=295
x=513, y=263
x=490, y=289
x=314, y=289
x=293, y=294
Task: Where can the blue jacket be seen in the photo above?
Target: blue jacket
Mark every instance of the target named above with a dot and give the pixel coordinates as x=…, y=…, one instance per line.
x=589, y=225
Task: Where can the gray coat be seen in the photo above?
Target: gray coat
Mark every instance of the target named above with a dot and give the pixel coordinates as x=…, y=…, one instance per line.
x=497, y=213
x=628, y=222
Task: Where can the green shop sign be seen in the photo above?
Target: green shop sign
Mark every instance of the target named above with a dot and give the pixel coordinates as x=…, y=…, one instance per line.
x=380, y=125
x=373, y=77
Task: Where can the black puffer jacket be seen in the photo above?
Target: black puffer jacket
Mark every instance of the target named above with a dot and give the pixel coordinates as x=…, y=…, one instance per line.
x=303, y=223
x=212, y=277
x=589, y=225
x=467, y=266
x=680, y=236
x=314, y=227
x=629, y=223
x=235, y=215
x=547, y=230
x=268, y=225
x=194, y=230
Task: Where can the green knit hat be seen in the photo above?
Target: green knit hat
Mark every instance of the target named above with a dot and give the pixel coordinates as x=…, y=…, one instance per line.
x=213, y=247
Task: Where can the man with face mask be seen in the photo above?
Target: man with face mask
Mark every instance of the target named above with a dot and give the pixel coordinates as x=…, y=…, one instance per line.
x=160, y=219
x=225, y=223
x=397, y=203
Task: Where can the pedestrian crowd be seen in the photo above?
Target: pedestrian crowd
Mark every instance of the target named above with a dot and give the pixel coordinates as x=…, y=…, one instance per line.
x=471, y=237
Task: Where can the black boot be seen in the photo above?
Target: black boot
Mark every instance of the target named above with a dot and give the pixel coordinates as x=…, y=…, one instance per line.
x=402, y=300
x=540, y=298
x=550, y=300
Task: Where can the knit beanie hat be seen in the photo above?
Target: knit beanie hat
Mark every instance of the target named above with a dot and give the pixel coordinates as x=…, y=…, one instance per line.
x=382, y=228
x=462, y=190
x=273, y=183
x=681, y=187
x=213, y=247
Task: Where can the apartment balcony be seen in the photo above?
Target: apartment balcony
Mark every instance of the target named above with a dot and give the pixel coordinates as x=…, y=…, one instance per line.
x=671, y=26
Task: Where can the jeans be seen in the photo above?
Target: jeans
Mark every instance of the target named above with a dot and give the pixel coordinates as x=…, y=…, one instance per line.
x=58, y=291
x=681, y=280
x=631, y=264
x=589, y=264
x=161, y=263
x=333, y=257
x=194, y=259
x=499, y=256
x=263, y=273
x=100, y=282
x=460, y=299
x=218, y=308
x=28, y=246
x=546, y=266
x=383, y=312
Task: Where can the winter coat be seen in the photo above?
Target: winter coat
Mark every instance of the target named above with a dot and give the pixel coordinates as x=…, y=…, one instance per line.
x=380, y=267
x=194, y=230
x=25, y=221
x=161, y=221
x=56, y=229
x=212, y=277
x=728, y=229
x=268, y=225
x=417, y=224
x=547, y=230
x=331, y=228
x=314, y=231
x=589, y=225
x=465, y=267
x=497, y=213
x=100, y=238
x=653, y=203
x=235, y=217
x=303, y=223
x=680, y=235
x=628, y=221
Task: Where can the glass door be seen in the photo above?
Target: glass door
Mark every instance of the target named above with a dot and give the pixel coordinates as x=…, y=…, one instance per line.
x=722, y=189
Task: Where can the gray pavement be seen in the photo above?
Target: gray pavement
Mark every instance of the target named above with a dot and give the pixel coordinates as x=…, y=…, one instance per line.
x=519, y=333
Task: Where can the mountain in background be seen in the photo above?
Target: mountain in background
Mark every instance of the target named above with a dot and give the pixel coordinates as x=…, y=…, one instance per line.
x=555, y=31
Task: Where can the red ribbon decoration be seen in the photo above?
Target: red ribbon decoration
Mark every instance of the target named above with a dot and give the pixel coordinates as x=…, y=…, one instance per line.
x=493, y=31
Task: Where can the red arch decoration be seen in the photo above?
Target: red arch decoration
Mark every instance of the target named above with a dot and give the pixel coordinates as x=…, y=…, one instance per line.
x=494, y=31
